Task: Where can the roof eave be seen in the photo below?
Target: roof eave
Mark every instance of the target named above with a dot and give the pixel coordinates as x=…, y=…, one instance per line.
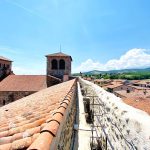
x=59, y=56
x=6, y=60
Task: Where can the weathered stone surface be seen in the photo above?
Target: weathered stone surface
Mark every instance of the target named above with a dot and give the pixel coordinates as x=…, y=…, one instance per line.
x=126, y=127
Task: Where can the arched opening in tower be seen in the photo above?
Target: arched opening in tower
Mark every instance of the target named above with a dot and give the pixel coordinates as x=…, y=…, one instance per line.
x=62, y=64
x=54, y=64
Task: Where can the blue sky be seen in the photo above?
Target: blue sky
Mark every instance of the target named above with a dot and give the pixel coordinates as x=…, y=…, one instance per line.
x=98, y=34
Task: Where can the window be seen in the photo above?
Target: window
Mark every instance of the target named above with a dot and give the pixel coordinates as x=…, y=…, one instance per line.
x=54, y=64
x=61, y=64
x=11, y=97
x=4, y=102
x=7, y=66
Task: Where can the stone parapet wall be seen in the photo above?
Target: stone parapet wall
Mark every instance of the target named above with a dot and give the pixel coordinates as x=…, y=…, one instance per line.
x=126, y=127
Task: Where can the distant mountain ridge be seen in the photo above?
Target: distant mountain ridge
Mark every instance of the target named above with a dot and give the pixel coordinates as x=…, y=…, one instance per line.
x=117, y=71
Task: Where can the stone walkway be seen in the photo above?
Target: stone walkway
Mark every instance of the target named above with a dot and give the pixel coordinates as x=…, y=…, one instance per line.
x=84, y=129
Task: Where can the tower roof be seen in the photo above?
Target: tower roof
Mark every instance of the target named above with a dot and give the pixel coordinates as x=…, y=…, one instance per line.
x=59, y=54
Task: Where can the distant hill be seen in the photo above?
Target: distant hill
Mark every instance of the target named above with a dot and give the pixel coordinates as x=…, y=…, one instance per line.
x=116, y=71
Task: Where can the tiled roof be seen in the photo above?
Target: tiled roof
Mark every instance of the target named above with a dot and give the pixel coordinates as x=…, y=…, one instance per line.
x=139, y=103
x=6, y=59
x=139, y=87
x=89, y=79
x=136, y=94
x=23, y=83
x=136, y=99
x=114, y=85
x=60, y=54
x=33, y=121
x=134, y=81
x=144, y=81
x=98, y=80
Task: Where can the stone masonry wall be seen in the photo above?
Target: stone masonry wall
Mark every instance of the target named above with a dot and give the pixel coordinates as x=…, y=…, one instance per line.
x=126, y=127
x=3, y=62
x=59, y=72
x=67, y=132
x=5, y=95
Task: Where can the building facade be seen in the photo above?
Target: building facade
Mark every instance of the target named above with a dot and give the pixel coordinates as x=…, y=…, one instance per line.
x=15, y=87
x=59, y=65
x=5, y=67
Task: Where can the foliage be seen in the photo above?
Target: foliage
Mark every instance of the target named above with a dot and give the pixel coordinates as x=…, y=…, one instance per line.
x=128, y=76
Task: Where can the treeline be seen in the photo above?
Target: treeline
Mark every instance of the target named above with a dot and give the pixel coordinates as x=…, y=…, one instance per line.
x=128, y=76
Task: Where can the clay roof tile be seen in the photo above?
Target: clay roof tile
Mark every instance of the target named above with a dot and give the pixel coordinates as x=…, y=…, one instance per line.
x=23, y=83
x=42, y=142
x=5, y=147
x=29, y=122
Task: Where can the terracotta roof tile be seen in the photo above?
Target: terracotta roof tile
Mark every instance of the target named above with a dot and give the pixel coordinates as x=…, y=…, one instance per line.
x=22, y=143
x=5, y=140
x=41, y=144
x=58, y=117
x=142, y=104
x=34, y=118
x=17, y=136
x=4, y=133
x=114, y=85
x=23, y=83
x=5, y=147
x=51, y=127
x=61, y=110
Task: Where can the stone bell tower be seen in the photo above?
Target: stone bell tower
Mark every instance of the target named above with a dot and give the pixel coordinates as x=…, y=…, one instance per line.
x=59, y=65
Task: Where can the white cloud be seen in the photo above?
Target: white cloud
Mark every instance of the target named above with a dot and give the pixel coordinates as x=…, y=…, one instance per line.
x=134, y=58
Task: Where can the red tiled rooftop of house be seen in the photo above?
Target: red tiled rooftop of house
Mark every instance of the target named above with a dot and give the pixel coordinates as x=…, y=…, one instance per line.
x=134, y=81
x=23, y=83
x=89, y=79
x=98, y=80
x=32, y=122
x=144, y=81
x=136, y=99
x=139, y=93
x=139, y=103
x=139, y=87
x=114, y=85
x=6, y=59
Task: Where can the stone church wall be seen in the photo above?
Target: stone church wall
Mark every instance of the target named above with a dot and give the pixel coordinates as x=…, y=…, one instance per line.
x=59, y=72
x=9, y=97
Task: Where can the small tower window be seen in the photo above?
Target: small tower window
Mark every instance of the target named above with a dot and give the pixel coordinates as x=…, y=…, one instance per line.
x=8, y=66
x=4, y=102
x=54, y=64
x=62, y=64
